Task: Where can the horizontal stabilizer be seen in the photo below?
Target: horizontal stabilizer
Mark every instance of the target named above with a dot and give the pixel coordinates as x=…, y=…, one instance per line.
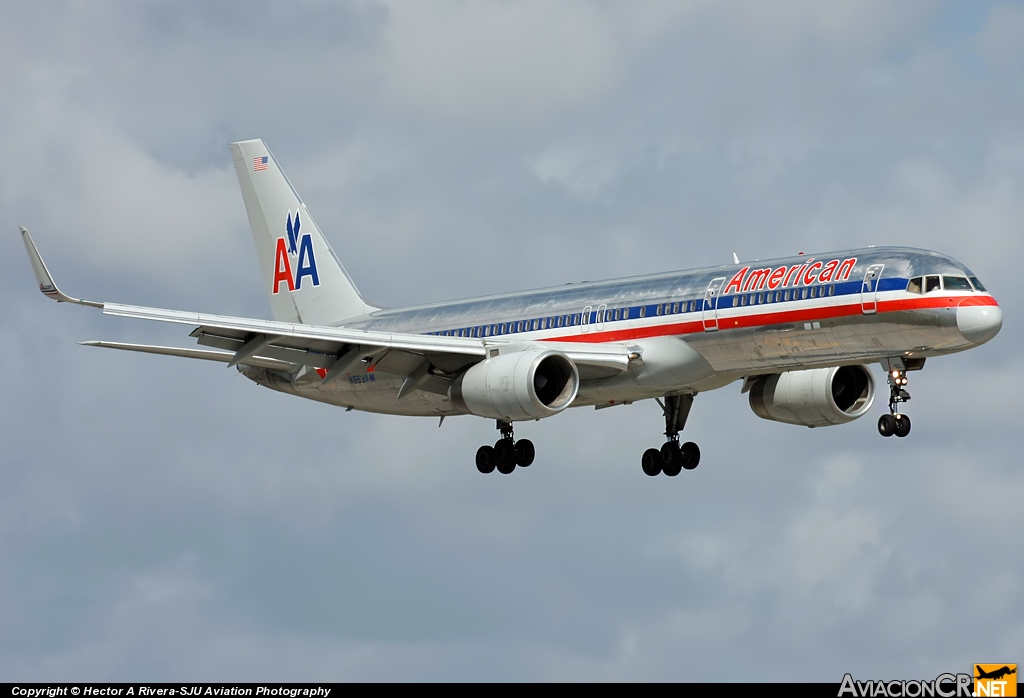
x=205, y=354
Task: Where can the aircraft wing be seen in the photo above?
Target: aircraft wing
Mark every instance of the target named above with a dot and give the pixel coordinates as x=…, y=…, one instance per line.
x=273, y=344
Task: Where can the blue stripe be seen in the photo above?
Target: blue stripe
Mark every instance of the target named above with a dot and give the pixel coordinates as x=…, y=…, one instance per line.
x=690, y=306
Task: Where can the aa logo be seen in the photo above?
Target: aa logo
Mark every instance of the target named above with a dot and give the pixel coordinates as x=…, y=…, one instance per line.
x=995, y=679
x=300, y=247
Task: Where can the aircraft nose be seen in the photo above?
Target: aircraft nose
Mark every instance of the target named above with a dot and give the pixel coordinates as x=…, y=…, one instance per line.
x=979, y=323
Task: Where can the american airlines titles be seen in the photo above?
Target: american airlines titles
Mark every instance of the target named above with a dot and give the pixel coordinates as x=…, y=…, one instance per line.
x=806, y=274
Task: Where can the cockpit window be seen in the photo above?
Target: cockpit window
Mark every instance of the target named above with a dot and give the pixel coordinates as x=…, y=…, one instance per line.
x=955, y=283
x=915, y=285
x=931, y=283
x=977, y=284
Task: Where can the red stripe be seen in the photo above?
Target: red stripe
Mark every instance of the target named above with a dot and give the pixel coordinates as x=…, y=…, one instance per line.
x=801, y=315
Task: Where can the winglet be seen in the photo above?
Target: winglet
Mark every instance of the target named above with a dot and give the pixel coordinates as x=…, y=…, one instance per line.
x=46, y=285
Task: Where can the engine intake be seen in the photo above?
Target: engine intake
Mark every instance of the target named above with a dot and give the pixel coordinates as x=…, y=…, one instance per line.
x=817, y=397
x=517, y=386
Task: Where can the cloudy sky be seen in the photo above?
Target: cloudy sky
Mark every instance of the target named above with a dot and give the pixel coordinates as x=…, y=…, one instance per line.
x=162, y=519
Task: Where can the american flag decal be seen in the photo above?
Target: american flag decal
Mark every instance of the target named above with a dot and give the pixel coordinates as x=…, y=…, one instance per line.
x=259, y=163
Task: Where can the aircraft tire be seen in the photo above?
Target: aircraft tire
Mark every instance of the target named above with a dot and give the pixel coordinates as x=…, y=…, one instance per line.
x=886, y=425
x=902, y=425
x=485, y=459
x=524, y=453
x=671, y=459
x=691, y=455
x=651, y=462
x=504, y=456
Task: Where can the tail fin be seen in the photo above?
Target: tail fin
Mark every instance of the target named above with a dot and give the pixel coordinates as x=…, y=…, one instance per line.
x=304, y=277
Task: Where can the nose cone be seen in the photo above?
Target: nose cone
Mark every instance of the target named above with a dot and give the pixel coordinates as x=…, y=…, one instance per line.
x=979, y=323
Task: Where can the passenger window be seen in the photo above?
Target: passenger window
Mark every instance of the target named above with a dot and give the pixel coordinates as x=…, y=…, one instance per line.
x=977, y=284
x=803, y=294
x=786, y=296
x=914, y=285
x=831, y=290
x=955, y=283
x=931, y=283
x=657, y=310
x=643, y=311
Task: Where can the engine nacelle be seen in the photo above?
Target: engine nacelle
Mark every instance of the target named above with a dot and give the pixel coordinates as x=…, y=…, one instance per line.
x=818, y=397
x=517, y=386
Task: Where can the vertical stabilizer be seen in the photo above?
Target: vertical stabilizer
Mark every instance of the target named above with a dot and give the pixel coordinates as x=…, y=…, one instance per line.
x=303, y=277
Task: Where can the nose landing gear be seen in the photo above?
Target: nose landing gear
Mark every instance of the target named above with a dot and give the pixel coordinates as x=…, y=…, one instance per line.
x=673, y=457
x=506, y=453
x=894, y=422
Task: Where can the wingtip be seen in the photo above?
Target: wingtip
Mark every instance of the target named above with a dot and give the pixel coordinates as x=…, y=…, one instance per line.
x=43, y=277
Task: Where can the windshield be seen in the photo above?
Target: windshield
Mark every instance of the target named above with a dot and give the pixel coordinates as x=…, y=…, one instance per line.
x=956, y=283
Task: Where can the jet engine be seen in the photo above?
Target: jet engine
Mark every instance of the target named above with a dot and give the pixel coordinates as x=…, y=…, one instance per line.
x=517, y=386
x=818, y=397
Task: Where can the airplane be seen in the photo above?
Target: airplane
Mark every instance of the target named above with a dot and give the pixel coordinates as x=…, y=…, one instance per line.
x=995, y=674
x=799, y=332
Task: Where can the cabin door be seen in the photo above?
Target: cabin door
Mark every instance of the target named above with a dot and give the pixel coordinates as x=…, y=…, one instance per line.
x=585, y=324
x=869, y=289
x=709, y=309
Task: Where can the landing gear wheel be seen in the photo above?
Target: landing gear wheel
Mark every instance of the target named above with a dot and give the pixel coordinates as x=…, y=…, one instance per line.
x=887, y=425
x=651, y=462
x=485, y=460
x=902, y=425
x=671, y=459
x=691, y=455
x=504, y=456
x=524, y=453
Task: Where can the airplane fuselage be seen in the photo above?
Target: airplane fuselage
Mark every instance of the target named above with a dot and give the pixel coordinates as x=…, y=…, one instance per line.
x=694, y=330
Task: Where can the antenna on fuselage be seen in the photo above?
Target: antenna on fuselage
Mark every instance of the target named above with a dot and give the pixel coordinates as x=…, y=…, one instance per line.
x=735, y=259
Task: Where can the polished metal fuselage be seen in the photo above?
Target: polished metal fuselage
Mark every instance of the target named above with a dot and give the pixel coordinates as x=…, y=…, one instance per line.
x=864, y=317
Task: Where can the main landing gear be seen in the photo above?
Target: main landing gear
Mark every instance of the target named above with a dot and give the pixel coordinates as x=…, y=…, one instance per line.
x=894, y=422
x=506, y=453
x=672, y=458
